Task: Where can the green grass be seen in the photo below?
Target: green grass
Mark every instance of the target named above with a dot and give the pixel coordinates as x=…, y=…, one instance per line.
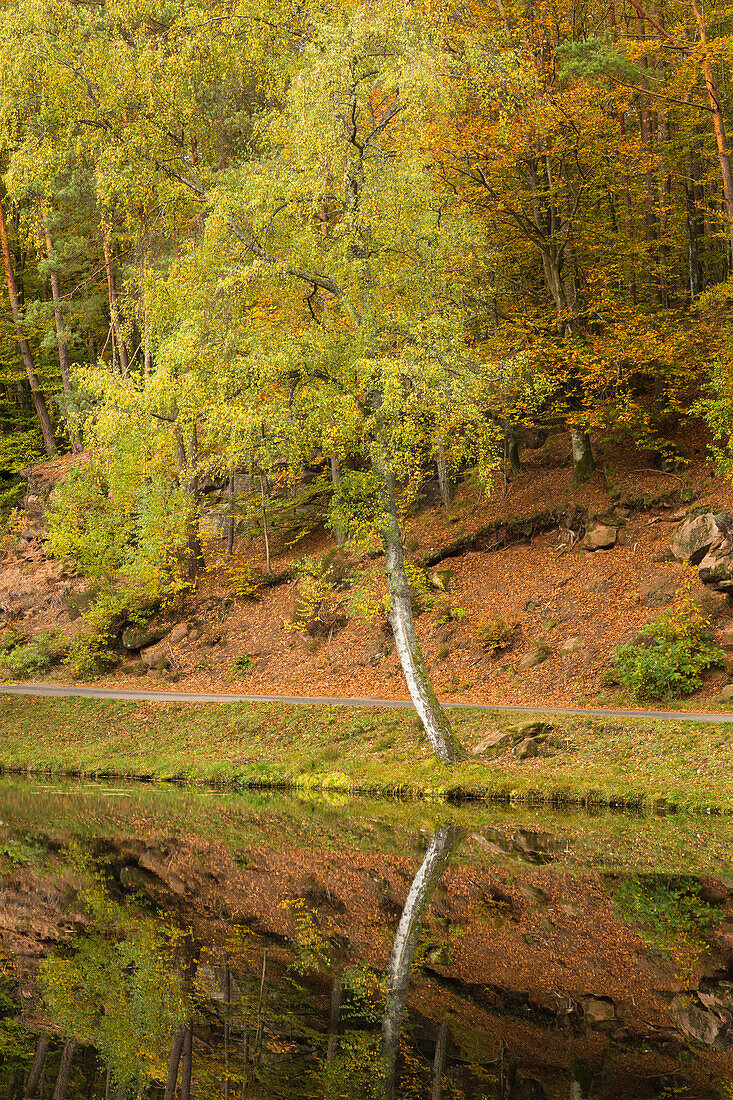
x=616, y=762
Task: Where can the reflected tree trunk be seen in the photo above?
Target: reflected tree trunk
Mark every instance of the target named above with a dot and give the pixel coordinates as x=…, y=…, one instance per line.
x=445, y=840
x=39, y=1060
x=441, y=1049
x=173, y=1063
x=62, y=1081
x=187, y=1062
x=334, y=1023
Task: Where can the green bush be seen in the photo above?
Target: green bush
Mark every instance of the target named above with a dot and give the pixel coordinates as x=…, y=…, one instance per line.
x=669, y=656
x=92, y=652
x=26, y=661
x=243, y=664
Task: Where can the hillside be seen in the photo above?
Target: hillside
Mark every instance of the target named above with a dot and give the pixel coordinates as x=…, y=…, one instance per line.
x=520, y=555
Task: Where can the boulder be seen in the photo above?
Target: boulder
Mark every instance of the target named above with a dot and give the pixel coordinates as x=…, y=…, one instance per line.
x=726, y=693
x=495, y=742
x=696, y=1023
x=534, y=656
x=572, y=645
x=694, y=537
x=442, y=579
x=137, y=637
x=178, y=633
x=657, y=590
x=155, y=657
x=716, y=569
x=600, y=537
x=598, y=1010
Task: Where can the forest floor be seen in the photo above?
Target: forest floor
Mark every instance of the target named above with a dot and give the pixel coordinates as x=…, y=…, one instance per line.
x=591, y=762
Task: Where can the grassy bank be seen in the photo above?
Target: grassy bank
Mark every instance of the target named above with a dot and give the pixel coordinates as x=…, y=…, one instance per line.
x=243, y=744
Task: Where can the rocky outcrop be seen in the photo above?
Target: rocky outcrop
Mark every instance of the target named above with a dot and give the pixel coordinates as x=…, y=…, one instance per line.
x=707, y=541
x=694, y=537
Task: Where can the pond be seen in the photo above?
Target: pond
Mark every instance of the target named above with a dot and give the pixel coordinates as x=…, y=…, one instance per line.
x=163, y=942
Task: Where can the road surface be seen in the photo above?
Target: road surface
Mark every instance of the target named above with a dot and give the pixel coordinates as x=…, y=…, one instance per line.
x=65, y=691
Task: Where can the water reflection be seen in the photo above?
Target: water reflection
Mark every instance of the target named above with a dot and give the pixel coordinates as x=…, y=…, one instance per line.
x=324, y=953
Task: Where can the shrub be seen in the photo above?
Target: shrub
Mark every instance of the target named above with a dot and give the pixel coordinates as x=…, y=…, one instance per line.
x=670, y=654
x=496, y=635
x=244, y=663
x=26, y=661
x=92, y=652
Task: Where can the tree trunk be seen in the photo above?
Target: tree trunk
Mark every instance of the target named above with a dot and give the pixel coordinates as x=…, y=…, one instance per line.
x=39, y=401
x=175, y=1058
x=445, y=840
x=231, y=523
x=445, y=744
x=583, y=461
x=511, y=451
x=39, y=1060
x=693, y=227
x=114, y=314
x=335, y=479
x=187, y=1062
x=334, y=1023
x=62, y=1081
x=60, y=335
x=721, y=139
x=443, y=480
x=186, y=465
x=264, y=526
x=441, y=1048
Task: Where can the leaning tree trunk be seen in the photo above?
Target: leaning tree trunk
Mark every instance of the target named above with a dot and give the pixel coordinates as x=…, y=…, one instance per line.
x=445, y=840
x=39, y=1060
x=445, y=744
x=39, y=401
x=583, y=461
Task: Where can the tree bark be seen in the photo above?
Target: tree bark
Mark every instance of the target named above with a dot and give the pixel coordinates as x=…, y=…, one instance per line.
x=445, y=744
x=39, y=400
x=335, y=480
x=173, y=1062
x=511, y=451
x=334, y=1022
x=694, y=232
x=441, y=1049
x=114, y=314
x=583, y=461
x=187, y=1062
x=231, y=523
x=60, y=335
x=62, y=1081
x=445, y=840
x=39, y=1060
x=443, y=480
x=721, y=139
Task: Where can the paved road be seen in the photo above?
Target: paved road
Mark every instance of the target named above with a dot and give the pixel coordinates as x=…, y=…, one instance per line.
x=68, y=690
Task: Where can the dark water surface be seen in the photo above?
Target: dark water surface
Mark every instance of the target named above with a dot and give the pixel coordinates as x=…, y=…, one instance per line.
x=157, y=942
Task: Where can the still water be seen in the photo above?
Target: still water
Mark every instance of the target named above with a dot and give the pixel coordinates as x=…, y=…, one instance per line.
x=171, y=943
